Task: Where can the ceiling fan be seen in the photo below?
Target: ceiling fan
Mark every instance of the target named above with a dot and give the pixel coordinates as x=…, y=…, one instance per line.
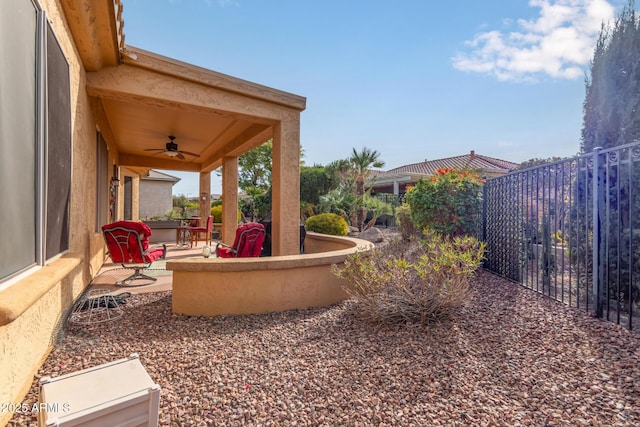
x=171, y=150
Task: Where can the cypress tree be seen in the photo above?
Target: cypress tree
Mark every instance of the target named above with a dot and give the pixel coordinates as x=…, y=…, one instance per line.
x=612, y=101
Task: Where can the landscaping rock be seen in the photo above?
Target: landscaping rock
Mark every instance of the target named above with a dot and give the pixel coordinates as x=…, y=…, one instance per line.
x=510, y=358
x=372, y=235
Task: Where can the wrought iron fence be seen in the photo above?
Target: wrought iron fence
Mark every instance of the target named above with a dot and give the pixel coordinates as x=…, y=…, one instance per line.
x=571, y=231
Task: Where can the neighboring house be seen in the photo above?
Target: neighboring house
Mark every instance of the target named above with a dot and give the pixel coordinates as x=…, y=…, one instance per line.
x=396, y=181
x=156, y=194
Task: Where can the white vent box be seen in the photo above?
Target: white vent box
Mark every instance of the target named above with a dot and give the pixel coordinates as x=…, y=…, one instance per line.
x=119, y=393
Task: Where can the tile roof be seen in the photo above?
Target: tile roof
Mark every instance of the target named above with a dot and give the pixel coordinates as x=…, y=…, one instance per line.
x=469, y=161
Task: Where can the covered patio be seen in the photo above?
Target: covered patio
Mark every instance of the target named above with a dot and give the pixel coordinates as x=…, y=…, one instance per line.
x=146, y=98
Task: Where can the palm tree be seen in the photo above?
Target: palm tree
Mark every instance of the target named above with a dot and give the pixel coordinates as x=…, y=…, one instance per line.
x=361, y=164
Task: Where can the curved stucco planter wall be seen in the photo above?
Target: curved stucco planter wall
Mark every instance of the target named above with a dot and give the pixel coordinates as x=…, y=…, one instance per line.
x=214, y=286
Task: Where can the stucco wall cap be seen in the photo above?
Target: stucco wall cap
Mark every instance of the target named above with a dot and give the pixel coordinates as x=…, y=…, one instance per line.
x=17, y=298
x=196, y=264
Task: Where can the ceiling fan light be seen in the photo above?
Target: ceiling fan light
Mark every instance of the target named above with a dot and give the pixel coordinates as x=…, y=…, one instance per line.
x=171, y=153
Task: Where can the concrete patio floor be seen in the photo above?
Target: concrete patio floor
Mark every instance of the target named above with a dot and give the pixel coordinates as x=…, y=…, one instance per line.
x=111, y=272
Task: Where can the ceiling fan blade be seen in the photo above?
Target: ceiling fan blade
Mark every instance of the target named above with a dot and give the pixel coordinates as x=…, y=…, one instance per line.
x=190, y=153
x=154, y=149
x=180, y=156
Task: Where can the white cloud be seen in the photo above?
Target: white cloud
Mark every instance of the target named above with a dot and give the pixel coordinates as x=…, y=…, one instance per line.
x=558, y=43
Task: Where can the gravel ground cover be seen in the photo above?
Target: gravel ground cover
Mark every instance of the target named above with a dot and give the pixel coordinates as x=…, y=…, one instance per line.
x=510, y=357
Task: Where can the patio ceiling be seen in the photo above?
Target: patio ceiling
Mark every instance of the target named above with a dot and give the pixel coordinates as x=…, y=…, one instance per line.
x=139, y=103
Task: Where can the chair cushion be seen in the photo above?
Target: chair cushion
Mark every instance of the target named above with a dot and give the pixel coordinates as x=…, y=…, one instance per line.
x=251, y=236
x=154, y=254
x=205, y=229
x=225, y=252
x=131, y=230
x=248, y=242
x=142, y=228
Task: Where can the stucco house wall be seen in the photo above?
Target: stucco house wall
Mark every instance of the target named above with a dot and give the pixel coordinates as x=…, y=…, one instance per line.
x=155, y=198
x=32, y=307
x=156, y=191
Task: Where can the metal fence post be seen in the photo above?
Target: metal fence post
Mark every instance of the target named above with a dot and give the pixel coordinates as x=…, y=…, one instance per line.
x=595, y=270
x=483, y=231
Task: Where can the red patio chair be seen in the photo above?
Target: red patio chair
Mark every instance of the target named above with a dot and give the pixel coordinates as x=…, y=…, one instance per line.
x=128, y=243
x=195, y=232
x=248, y=242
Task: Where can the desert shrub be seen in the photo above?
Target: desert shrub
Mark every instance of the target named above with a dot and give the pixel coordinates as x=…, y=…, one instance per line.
x=374, y=208
x=328, y=223
x=449, y=202
x=405, y=223
x=415, y=281
x=307, y=210
x=339, y=201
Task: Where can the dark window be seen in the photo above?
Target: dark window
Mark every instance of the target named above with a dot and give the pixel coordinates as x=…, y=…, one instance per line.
x=128, y=197
x=35, y=140
x=58, y=149
x=102, y=183
x=18, y=135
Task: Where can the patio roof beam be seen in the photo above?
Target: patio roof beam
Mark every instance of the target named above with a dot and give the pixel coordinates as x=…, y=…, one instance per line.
x=158, y=163
x=137, y=85
x=247, y=140
x=145, y=59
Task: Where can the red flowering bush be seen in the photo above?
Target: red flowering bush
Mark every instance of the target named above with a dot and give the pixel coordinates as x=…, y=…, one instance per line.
x=449, y=202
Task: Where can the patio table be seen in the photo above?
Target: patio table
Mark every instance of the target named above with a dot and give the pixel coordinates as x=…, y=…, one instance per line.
x=183, y=233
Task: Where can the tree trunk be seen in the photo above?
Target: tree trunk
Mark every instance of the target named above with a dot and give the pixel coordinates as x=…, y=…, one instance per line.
x=360, y=197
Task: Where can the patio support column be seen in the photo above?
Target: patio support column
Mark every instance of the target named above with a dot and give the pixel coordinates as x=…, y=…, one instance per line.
x=205, y=197
x=229, y=199
x=285, y=177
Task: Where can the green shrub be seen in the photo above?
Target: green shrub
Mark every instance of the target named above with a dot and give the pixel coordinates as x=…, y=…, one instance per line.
x=173, y=214
x=449, y=202
x=328, y=223
x=216, y=213
x=415, y=281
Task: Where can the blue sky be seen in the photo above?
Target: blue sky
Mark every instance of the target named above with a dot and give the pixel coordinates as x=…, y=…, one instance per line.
x=412, y=79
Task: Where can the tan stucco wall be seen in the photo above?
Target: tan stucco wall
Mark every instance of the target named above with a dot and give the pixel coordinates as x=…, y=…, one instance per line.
x=31, y=307
x=155, y=198
x=210, y=287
